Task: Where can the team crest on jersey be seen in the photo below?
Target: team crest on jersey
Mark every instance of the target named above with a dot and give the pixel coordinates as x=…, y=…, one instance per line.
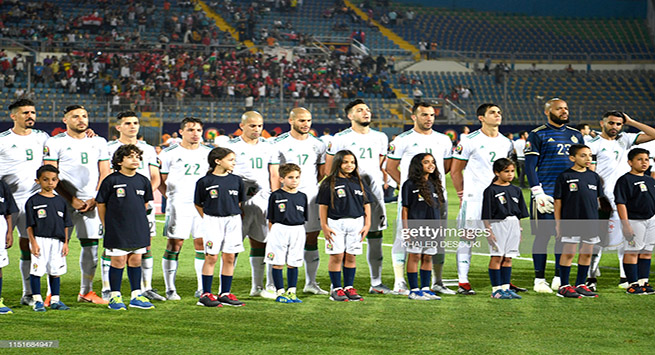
x=502, y=199
x=573, y=187
x=643, y=187
x=120, y=192
x=282, y=207
x=458, y=149
x=341, y=193
x=46, y=151
x=41, y=213
x=210, y=244
x=270, y=256
x=574, y=139
x=213, y=193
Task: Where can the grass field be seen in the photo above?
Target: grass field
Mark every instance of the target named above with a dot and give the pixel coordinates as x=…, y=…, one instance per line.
x=612, y=323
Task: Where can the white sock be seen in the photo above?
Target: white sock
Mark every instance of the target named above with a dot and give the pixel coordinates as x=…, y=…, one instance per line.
x=88, y=265
x=642, y=282
x=135, y=294
x=537, y=281
x=54, y=299
x=25, y=275
x=398, y=273
x=495, y=288
x=437, y=269
x=463, y=263
x=312, y=262
x=505, y=287
x=147, y=265
x=257, y=267
x=269, y=276
x=595, y=261
x=374, y=257
x=198, y=263
x=115, y=294
x=620, y=252
x=37, y=298
x=291, y=290
x=169, y=267
x=105, y=262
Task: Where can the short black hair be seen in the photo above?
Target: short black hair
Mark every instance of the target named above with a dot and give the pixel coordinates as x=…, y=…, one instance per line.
x=352, y=104
x=72, y=107
x=575, y=148
x=190, y=120
x=126, y=114
x=419, y=104
x=636, y=151
x=122, y=152
x=581, y=126
x=20, y=103
x=522, y=133
x=46, y=168
x=482, y=109
x=614, y=113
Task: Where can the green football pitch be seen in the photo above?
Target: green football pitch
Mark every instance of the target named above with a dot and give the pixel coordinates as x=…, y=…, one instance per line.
x=539, y=323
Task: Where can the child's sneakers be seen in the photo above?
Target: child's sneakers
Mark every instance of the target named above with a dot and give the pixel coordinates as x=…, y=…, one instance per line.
x=429, y=294
x=338, y=295
x=283, y=298
x=513, y=294
x=418, y=295
x=59, y=306
x=584, y=291
x=541, y=286
x=568, y=292
x=230, y=300
x=91, y=297
x=352, y=294
x=4, y=309
x=635, y=289
x=501, y=294
x=116, y=303
x=648, y=289
x=209, y=300
x=38, y=307
x=292, y=296
x=141, y=302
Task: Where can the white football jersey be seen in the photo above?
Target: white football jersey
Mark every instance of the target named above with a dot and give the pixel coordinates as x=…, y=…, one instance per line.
x=409, y=143
x=20, y=157
x=252, y=163
x=368, y=148
x=612, y=159
x=77, y=160
x=309, y=154
x=148, y=159
x=480, y=151
x=184, y=168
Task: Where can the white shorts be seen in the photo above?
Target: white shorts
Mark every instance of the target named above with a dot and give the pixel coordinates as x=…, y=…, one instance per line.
x=644, y=238
x=576, y=240
x=417, y=250
x=614, y=231
x=123, y=252
x=470, y=215
x=222, y=234
x=255, y=225
x=87, y=225
x=346, y=236
x=181, y=221
x=152, y=221
x=19, y=219
x=4, y=256
x=508, y=237
x=378, y=208
x=50, y=261
x=285, y=245
x=313, y=223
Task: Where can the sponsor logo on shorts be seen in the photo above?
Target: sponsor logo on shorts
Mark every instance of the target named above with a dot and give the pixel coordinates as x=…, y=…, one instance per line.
x=573, y=187
x=270, y=256
x=329, y=246
x=458, y=149
x=210, y=244
x=120, y=192
x=41, y=213
x=213, y=193
x=392, y=149
x=35, y=266
x=282, y=207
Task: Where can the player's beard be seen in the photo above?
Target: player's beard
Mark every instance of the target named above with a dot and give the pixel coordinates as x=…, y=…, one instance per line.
x=611, y=132
x=557, y=120
x=299, y=130
x=364, y=123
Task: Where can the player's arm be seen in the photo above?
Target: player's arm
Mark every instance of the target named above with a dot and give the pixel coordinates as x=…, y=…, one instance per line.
x=274, y=175
x=155, y=178
x=321, y=171
x=162, y=184
x=558, y=215
x=75, y=202
x=456, y=168
x=9, y=240
x=392, y=170
x=201, y=211
x=628, y=233
x=649, y=132
x=103, y=171
x=544, y=202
